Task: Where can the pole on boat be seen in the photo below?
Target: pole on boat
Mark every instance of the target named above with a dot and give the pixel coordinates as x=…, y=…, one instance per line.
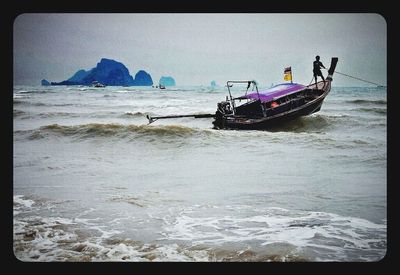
x=153, y=119
x=291, y=75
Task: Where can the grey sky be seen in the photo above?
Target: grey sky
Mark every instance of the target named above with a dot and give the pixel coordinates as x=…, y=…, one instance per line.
x=198, y=48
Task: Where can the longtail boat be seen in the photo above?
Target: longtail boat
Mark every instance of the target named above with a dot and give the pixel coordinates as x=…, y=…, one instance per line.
x=262, y=110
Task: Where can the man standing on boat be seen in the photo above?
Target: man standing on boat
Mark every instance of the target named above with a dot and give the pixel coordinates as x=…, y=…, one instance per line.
x=317, y=70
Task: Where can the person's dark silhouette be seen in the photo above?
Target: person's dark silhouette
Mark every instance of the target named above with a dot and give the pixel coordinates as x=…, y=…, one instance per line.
x=317, y=70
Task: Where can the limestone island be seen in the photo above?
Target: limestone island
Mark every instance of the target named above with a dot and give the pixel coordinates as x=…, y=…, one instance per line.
x=107, y=72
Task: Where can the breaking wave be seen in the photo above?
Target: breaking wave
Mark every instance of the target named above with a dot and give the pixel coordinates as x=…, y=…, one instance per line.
x=282, y=235
x=94, y=130
x=379, y=111
x=34, y=92
x=310, y=124
x=17, y=113
x=134, y=114
x=28, y=103
x=315, y=123
x=80, y=239
x=367, y=102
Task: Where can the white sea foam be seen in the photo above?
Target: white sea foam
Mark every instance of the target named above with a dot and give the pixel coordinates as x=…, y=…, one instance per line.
x=19, y=199
x=18, y=96
x=53, y=239
x=21, y=204
x=301, y=229
x=38, y=238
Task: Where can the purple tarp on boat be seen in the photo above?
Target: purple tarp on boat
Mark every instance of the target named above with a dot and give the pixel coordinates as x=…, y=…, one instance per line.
x=276, y=92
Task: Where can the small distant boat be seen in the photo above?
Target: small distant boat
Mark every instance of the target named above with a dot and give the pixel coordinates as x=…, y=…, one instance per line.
x=97, y=84
x=159, y=87
x=266, y=109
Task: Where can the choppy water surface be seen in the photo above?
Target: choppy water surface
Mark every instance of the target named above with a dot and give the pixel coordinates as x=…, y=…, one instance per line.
x=94, y=182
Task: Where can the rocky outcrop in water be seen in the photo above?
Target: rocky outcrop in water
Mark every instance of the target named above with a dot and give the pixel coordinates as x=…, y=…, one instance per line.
x=142, y=78
x=79, y=76
x=167, y=81
x=108, y=72
x=44, y=82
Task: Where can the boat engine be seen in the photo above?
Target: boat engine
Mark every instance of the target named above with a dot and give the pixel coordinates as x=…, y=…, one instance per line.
x=224, y=107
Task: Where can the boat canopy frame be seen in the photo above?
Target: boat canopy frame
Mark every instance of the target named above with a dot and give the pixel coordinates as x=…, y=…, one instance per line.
x=229, y=84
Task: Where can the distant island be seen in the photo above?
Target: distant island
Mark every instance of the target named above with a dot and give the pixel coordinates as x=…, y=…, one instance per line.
x=167, y=81
x=107, y=72
x=45, y=82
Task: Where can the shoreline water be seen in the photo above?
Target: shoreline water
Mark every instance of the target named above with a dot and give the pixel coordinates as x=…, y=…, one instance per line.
x=94, y=182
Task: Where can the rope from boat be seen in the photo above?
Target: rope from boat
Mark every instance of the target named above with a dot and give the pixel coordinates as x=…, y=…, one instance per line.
x=358, y=78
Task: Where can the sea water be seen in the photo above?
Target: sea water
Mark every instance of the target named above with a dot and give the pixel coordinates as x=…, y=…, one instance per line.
x=93, y=182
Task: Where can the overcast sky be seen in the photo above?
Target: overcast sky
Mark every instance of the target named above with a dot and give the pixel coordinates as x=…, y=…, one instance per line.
x=197, y=48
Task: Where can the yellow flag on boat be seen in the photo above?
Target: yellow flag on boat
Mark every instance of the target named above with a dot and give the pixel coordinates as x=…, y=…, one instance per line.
x=287, y=74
